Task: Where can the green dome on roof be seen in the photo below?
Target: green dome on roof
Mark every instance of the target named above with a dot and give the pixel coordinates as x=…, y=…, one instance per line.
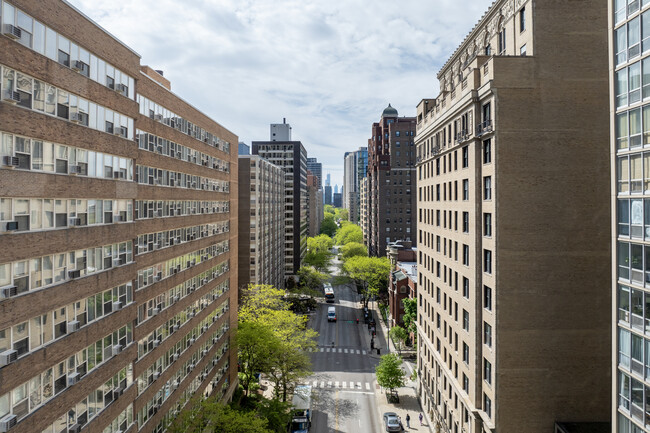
x=389, y=112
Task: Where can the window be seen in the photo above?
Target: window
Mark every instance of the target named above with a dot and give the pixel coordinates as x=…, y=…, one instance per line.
x=487, y=334
x=465, y=353
x=487, y=405
x=466, y=255
x=487, y=151
x=487, y=298
x=465, y=222
x=487, y=188
x=620, y=41
x=522, y=50
x=633, y=38
x=465, y=156
x=465, y=189
x=487, y=371
x=487, y=224
x=465, y=383
x=522, y=19
x=487, y=261
x=465, y=287
x=465, y=320
x=502, y=40
x=621, y=88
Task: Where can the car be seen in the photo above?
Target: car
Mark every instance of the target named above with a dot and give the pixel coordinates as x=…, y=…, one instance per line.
x=392, y=422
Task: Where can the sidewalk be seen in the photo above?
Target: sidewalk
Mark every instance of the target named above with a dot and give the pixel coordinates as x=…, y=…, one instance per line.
x=408, y=398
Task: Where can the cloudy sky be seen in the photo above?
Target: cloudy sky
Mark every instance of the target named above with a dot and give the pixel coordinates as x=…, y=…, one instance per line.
x=328, y=66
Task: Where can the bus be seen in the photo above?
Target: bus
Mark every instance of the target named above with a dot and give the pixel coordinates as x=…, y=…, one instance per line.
x=301, y=413
x=329, y=292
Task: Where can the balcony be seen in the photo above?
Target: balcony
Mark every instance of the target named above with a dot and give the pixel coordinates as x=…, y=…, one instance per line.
x=484, y=127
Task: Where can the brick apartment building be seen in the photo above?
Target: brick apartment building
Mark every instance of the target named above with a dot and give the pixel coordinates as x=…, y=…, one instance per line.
x=391, y=185
x=402, y=281
x=117, y=230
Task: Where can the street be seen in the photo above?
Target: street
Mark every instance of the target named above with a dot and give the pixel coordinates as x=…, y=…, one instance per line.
x=344, y=385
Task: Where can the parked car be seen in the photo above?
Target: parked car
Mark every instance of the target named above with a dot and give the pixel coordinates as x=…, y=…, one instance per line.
x=392, y=422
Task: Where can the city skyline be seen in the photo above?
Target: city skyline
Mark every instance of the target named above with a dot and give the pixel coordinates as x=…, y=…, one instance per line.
x=316, y=71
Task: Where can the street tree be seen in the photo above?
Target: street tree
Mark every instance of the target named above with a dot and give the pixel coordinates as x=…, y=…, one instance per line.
x=328, y=225
x=319, y=252
x=390, y=373
x=311, y=278
x=399, y=336
x=328, y=208
x=255, y=342
x=370, y=273
x=278, y=413
x=211, y=416
x=348, y=233
x=353, y=249
x=259, y=299
x=410, y=314
x=341, y=214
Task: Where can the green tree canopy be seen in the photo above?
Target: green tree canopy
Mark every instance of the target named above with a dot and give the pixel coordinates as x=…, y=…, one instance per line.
x=260, y=299
x=341, y=214
x=318, y=252
x=348, y=233
x=277, y=412
x=369, y=272
x=209, y=415
x=353, y=249
x=311, y=278
x=255, y=342
x=328, y=226
x=399, y=336
x=328, y=208
x=410, y=314
x=390, y=373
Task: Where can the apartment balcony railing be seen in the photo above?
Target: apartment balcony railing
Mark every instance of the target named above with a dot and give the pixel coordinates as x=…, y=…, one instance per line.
x=484, y=127
x=462, y=136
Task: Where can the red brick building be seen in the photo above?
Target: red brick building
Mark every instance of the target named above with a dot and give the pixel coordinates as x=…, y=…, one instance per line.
x=402, y=280
x=118, y=232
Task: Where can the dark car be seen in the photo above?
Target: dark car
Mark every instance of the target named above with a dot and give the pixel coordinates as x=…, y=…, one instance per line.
x=392, y=422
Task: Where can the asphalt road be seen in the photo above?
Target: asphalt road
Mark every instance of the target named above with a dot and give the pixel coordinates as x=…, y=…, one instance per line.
x=344, y=385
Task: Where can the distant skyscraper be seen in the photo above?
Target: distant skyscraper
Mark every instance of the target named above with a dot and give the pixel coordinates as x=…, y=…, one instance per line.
x=336, y=189
x=244, y=149
x=316, y=169
x=355, y=166
x=336, y=200
x=328, y=193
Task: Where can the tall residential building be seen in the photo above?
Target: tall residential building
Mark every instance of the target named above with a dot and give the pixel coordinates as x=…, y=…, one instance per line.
x=513, y=210
x=316, y=169
x=630, y=167
x=328, y=194
x=292, y=157
x=391, y=182
x=363, y=209
x=315, y=203
x=118, y=225
x=261, y=222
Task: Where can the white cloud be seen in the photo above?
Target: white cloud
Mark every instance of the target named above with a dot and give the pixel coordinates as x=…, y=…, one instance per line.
x=329, y=67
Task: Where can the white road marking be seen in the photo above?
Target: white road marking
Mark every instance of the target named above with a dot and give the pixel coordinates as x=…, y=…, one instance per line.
x=345, y=350
x=358, y=385
x=340, y=350
x=315, y=384
x=322, y=384
x=336, y=384
x=329, y=384
x=344, y=384
x=322, y=350
x=358, y=352
x=367, y=386
x=327, y=350
x=364, y=352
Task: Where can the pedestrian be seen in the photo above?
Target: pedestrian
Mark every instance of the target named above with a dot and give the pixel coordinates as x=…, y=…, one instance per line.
x=421, y=417
x=408, y=421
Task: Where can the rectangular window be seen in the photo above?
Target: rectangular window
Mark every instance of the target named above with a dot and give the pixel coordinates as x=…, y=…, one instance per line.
x=487, y=261
x=634, y=82
x=620, y=41
x=633, y=38
x=487, y=224
x=487, y=404
x=465, y=156
x=466, y=320
x=522, y=19
x=621, y=88
x=465, y=287
x=487, y=298
x=487, y=151
x=465, y=353
x=622, y=130
x=487, y=371
x=466, y=255
x=465, y=189
x=487, y=188
x=487, y=334
x=465, y=222
x=522, y=50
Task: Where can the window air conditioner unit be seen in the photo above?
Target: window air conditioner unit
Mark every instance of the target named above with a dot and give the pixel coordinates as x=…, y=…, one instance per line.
x=75, y=117
x=8, y=422
x=8, y=291
x=75, y=169
x=205, y=352
x=117, y=392
x=11, y=226
x=192, y=340
x=156, y=311
x=121, y=88
x=174, y=328
x=73, y=378
x=12, y=31
x=120, y=130
x=8, y=356
x=156, y=375
x=11, y=161
x=11, y=97
x=74, y=274
x=174, y=357
x=73, y=326
x=117, y=349
x=175, y=384
x=75, y=221
x=117, y=305
x=77, y=65
x=158, y=117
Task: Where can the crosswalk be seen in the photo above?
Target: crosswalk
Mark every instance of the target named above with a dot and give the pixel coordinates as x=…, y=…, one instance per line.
x=329, y=349
x=344, y=385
